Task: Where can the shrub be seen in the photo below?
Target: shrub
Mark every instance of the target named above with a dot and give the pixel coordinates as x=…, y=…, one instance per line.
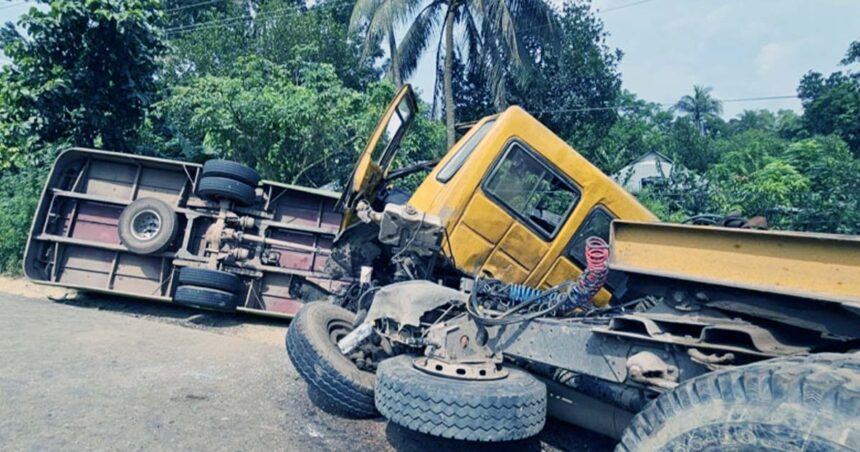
x=19, y=194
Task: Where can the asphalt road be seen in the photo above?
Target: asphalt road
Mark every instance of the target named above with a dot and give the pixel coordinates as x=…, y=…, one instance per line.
x=110, y=374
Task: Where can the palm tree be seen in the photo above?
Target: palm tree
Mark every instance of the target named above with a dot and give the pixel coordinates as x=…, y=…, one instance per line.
x=700, y=106
x=493, y=32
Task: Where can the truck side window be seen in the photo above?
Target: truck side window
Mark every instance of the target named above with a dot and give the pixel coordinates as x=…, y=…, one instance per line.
x=450, y=169
x=596, y=223
x=532, y=191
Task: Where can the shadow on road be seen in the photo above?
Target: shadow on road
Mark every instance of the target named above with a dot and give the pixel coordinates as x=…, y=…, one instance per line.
x=167, y=311
x=556, y=435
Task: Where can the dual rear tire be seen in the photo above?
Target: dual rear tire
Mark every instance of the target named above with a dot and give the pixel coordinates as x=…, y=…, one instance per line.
x=223, y=179
x=149, y=225
x=208, y=289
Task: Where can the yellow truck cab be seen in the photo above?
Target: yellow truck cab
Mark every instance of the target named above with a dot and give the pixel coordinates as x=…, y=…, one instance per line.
x=516, y=201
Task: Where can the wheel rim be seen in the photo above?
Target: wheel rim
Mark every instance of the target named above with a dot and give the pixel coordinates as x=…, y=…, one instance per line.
x=145, y=225
x=337, y=329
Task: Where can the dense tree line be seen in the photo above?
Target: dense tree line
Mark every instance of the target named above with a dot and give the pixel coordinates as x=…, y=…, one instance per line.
x=294, y=88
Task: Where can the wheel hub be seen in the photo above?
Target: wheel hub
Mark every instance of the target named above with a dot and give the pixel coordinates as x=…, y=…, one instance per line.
x=466, y=370
x=146, y=225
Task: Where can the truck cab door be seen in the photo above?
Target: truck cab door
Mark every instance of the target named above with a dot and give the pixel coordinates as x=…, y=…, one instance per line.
x=511, y=221
x=374, y=163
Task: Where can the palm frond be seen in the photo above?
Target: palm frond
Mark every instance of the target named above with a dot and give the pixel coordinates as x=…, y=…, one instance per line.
x=362, y=12
x=418, y=36
x=538, y=23
x=438, y=83
x=389, y=13
x=472, y=41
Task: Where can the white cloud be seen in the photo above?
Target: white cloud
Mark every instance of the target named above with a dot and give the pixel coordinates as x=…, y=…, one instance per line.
x=774, y=57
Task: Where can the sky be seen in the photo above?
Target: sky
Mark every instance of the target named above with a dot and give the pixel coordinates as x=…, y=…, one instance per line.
x=740, y=48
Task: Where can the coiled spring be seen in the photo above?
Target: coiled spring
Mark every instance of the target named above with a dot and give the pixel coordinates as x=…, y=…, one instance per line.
x=520, y=293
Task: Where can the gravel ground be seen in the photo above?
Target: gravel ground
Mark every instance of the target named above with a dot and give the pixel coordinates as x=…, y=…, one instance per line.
x=111, y=374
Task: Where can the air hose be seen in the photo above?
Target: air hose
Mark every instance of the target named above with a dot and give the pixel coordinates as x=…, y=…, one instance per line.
x=526, y=303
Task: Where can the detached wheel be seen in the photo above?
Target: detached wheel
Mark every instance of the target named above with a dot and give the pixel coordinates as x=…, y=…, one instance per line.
x=217, y=188
x=147, y=226
x=802, y=403
x=213, y=279
x=231, y=170
x=507, y=409
x=206, y=298
x=339, y=384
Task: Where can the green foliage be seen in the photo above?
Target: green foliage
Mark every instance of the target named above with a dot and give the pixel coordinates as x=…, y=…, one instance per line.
x=662, y=206
x=215, y=37
x=641, y=127
x=777, y=184
x=853, y=54
x=759, y=163
x=745, y=153
x=19, y=193
x=304, y=129
x=583, y=72
x=832, y=203
x=753, y=120
x=83, y=73
x=832, y=104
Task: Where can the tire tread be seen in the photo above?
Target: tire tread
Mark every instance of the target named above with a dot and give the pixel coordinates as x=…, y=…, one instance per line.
x=340, y=391
x=815, y=382
x=482, y=412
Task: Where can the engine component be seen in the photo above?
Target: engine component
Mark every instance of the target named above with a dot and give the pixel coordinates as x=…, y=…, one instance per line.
x=649, y=369
x=355, y=337
x=458, y=349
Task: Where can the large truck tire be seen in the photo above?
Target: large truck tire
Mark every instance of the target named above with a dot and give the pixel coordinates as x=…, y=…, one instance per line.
x=340, y=386
x=507, y=409
x=803, y=403
x=213, y=279
x=231, y=170
x=147, y=226
x=213, y=187
x=205, y=298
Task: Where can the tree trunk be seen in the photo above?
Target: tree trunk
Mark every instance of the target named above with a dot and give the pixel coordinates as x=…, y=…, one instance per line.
x=449, y=68
x=394, y=70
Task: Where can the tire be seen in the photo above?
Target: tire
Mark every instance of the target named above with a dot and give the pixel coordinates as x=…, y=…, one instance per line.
x=340, y=386
x=508, y=409
x=231, y=170
x=224, y=188
x=206, y=298
x=212, y=279
x=147, y=226
x=809, y=403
